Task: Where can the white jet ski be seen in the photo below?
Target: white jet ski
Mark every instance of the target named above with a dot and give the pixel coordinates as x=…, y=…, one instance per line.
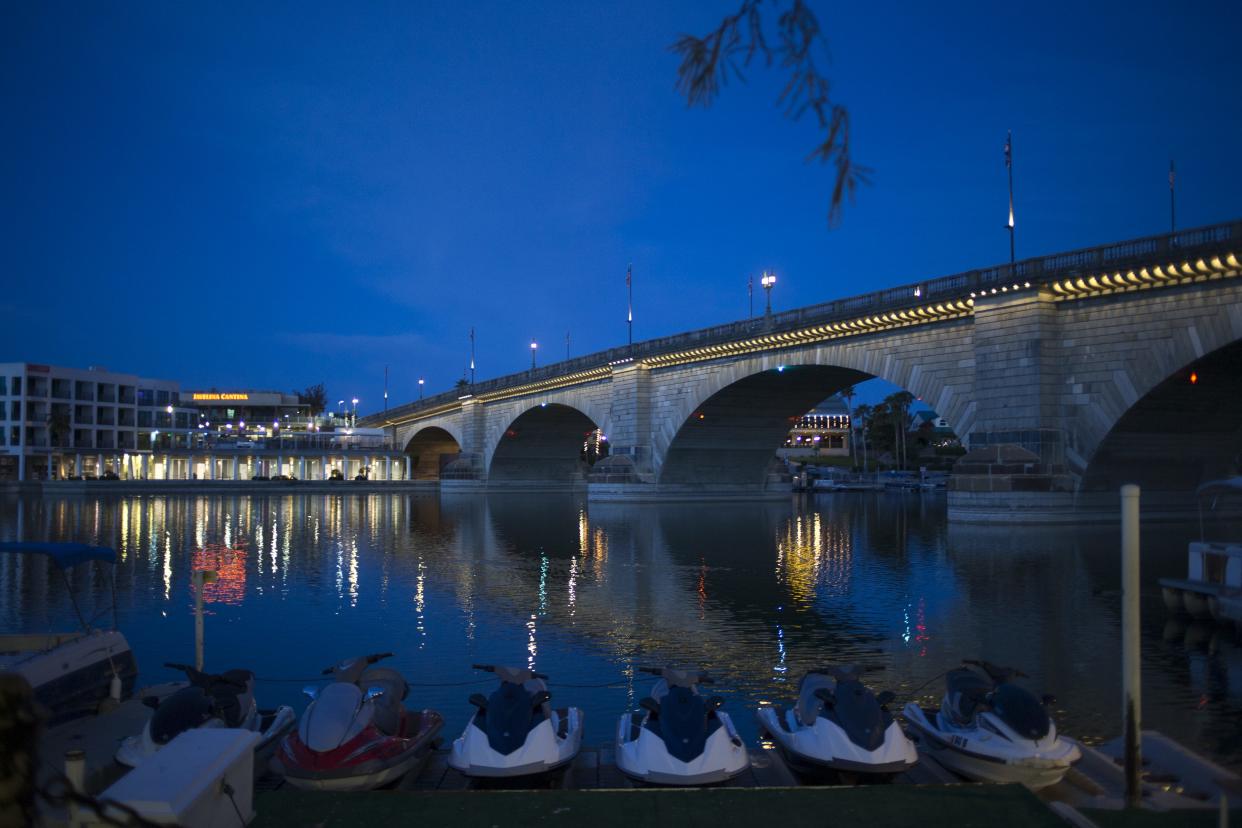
x=680, y=738
x=224, y=700
x=515, y=731
x=839, y=724
x=991, y=730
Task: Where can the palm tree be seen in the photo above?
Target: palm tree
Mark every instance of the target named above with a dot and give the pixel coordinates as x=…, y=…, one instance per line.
x=847, y=394
x=863, y=413
x=899, y=402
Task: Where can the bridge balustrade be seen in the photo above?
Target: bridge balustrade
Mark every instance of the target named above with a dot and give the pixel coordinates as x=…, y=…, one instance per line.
x=1192, y=243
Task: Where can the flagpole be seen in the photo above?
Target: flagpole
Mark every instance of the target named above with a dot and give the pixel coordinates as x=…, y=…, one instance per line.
x=1009, y=166
x=1172, y=201
x=385, y=387
x=472, y=355
x=629, y=291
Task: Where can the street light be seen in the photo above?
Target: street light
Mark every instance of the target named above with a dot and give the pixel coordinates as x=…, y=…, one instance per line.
x=420, y=387
x=355, y=417
x=534, y=346
x=768, y=280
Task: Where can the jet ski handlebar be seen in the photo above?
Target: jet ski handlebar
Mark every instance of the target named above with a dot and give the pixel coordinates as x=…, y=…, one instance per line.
x=199, y=678
x=514, y=674
x=847, y=671
x=345, y=665
x=997, y=674
x=680, y=677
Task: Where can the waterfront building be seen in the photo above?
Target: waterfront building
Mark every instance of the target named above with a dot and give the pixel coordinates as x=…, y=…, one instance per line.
x=60, y=423
x=934, y=428
x=824, y=431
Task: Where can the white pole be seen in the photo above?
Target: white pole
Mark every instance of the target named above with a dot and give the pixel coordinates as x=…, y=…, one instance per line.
x=1131, y=672
x=199, y=578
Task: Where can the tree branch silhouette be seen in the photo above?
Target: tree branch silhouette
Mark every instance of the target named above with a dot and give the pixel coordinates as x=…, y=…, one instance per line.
x=708, y=62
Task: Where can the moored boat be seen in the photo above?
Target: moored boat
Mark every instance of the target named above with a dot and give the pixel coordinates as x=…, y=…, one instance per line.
x=1213, y=567
x=71, y=673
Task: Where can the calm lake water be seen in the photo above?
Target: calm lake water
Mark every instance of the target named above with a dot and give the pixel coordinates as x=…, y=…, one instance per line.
x=756, y=594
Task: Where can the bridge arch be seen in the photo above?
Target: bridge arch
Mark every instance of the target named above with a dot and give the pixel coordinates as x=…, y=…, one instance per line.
x=543, y=444
x=760, y=395
x=1181, y=431
x=430, y=449
x=731, y=436
x=1122, y=363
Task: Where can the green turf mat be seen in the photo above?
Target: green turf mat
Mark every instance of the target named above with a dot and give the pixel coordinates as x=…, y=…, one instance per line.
x=951, y=806
x=1196, y=818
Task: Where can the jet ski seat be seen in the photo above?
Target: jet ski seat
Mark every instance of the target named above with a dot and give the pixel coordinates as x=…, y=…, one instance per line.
x=534, y=686
x=391, y=680
x=809, y=707
x=966, y=689
x=683, y=723
x=231, y=692
x=387, y=706
x=509, y=716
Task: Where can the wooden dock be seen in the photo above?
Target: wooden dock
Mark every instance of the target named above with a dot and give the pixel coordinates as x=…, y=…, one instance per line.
x=1177, y=782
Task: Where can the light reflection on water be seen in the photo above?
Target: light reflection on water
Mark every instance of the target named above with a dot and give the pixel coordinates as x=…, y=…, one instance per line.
x=755, y=593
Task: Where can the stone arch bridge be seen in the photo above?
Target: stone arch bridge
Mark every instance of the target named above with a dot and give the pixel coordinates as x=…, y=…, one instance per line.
x=1081, y=358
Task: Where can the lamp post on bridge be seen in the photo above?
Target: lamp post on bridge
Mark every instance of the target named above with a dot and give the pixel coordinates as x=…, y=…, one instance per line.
x=768, y=281
x=534, y=346
x=421, y=381
x=355, y=417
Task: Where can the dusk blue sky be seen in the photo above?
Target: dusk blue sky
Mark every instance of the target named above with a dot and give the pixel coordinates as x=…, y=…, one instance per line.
x=271, y=196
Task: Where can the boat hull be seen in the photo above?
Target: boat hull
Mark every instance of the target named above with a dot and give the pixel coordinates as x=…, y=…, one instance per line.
x=642, y=756
x=963, y=756
x=348, y=768
x=74, y=677
x=826, y=746
x=545, y=750
x=361, y=781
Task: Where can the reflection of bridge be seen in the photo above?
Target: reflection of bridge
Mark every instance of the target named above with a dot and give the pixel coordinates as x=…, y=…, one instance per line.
x=1083, y=358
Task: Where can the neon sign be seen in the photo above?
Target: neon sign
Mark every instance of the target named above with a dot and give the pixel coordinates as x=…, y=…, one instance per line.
x=198, y=396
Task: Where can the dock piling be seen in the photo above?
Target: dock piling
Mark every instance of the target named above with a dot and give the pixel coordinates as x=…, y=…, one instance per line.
x=202, y=577
x=1131, y=668
x=75, y=772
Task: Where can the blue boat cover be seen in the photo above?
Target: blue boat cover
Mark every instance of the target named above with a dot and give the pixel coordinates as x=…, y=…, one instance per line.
x=64, y=555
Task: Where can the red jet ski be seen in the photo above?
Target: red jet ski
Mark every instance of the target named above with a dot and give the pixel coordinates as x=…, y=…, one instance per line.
x=356, y=734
